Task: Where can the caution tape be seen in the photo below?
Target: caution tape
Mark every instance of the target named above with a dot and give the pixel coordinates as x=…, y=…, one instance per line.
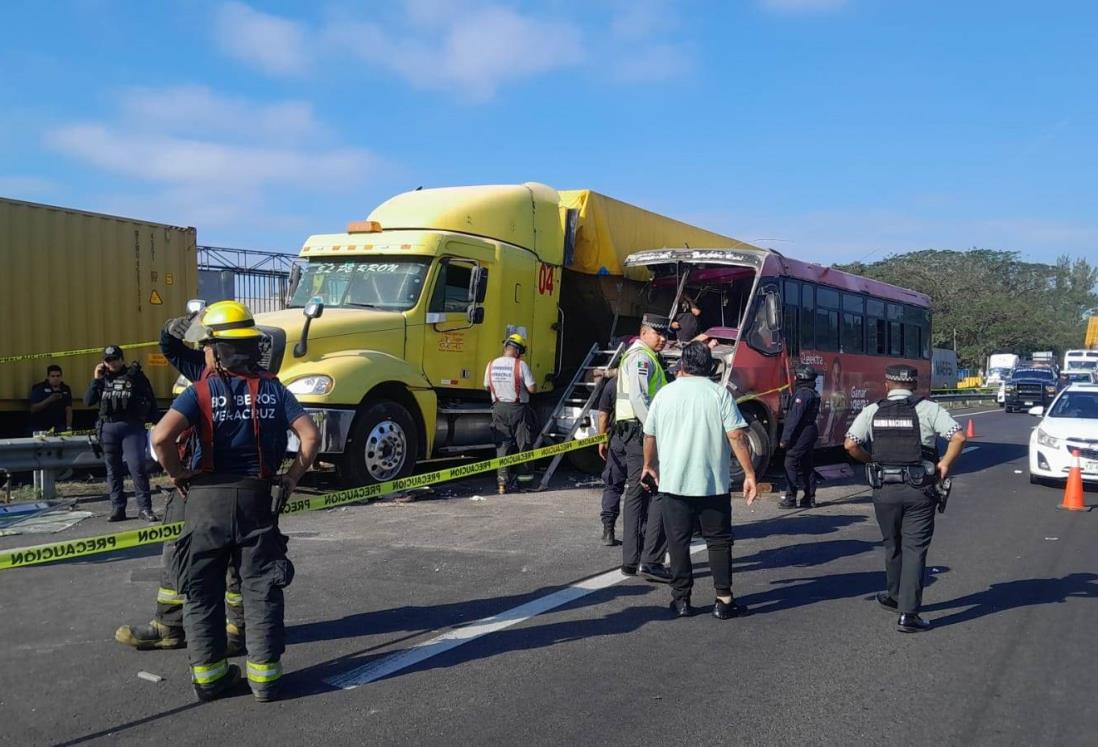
x=70, y=353
x=34, y=555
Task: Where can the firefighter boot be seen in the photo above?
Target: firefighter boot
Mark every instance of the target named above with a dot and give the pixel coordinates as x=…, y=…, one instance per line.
x=234, y=640
x=218, y=687
x=152, y=636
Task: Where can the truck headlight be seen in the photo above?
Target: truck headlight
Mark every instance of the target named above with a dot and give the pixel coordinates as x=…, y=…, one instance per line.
x=1008, y=387
x=1046, y=440
x=317, y=384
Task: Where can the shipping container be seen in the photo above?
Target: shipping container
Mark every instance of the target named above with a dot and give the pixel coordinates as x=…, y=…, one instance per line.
x=76, y=280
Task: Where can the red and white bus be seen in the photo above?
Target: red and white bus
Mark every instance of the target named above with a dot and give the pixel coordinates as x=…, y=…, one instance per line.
x=770, y=313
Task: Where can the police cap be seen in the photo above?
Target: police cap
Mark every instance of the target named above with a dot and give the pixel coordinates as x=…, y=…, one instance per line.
x=112, y=352
x=657, y=322
x=901, y=374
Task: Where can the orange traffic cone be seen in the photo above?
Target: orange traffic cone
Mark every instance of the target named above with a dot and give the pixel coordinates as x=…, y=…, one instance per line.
x=1073, y=490
x=970, y=432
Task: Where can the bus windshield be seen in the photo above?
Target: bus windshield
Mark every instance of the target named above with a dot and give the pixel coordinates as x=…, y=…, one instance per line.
x=379, y=282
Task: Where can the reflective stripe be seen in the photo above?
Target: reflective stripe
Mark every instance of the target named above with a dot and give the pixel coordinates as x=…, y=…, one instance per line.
x=204, y=674
x=165, y=595
x=234, y=598
x=264, y=672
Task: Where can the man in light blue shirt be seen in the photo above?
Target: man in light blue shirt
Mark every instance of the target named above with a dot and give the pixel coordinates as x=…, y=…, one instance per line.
x=693, y=428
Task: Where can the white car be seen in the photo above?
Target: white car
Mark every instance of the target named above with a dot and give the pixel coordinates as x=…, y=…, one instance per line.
x=1070, y=424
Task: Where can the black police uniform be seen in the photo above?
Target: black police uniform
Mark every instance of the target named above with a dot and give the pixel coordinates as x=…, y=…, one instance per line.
x=613, y=474
x=126, y=403
x=799, y=436
x=52, y=417
x=229, y=518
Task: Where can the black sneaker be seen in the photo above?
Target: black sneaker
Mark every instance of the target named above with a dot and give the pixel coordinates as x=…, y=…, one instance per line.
x=809, y=501
x=119, y=514
x=146, y=514
x=681, y=607
x=787, y=501
x=629, y=570
x=656, y=572
x=220, y=687
x=886, y=601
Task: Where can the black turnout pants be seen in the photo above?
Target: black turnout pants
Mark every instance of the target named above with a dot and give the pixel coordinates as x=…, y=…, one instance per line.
x=613, y=479
x=229, y=521
x=800, y=462
x=642, y=537
x=125, y=440
x=714, y=514
x=169, y=602
x=906, y=517
x=513, y=425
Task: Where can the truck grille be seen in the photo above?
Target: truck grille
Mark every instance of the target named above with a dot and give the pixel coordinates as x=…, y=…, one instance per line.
x=1031, y=390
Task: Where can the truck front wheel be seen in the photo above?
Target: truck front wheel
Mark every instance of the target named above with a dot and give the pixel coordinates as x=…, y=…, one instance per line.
x=383, y=445
x=758, y=443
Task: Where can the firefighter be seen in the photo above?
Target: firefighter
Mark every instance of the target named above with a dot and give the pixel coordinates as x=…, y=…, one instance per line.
x=511, y=382
x=239, y=414
x=640, y=376
x=126, y=402
x=799, y=436
x=905, y=472
x=165, y=630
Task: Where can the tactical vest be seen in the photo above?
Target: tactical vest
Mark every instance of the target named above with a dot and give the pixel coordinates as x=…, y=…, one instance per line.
x=812, y=411
x=657, y=379
x=203, y=431
x=123, y=398
x=897, y=438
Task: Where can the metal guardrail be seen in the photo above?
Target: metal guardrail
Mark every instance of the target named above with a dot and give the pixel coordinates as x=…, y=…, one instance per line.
x=961, y=397
x=46, y=455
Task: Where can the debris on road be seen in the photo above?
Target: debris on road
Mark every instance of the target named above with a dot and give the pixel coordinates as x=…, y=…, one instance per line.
x=477, y=498
x=143, y=675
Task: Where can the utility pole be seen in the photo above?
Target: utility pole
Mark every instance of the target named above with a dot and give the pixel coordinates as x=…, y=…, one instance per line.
x=954, y=339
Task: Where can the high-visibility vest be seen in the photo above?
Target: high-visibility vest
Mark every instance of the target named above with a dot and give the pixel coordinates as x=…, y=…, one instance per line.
x=623, y=408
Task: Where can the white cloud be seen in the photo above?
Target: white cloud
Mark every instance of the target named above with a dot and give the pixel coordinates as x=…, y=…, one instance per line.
x=222, y=164
x=273, y=44
x=640, y=46
x=803, y=6
x=474, y=53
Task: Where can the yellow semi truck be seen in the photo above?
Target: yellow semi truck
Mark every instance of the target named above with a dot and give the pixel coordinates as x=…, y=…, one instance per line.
x=405, y=309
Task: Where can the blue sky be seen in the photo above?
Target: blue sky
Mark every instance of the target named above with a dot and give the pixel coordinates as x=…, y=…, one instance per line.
x=831, y=130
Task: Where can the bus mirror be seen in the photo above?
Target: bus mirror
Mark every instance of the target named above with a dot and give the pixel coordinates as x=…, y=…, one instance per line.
x=478, y=290
x=773, y=311
x=475, y=315
x=195, y=305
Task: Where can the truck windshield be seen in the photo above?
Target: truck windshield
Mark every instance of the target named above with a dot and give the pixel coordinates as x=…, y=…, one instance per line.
x=388, y=283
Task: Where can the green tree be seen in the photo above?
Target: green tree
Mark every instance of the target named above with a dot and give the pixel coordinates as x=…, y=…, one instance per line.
x=993, y=301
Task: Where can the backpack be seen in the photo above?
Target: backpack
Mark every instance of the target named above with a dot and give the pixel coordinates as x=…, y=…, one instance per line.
x=897, y=439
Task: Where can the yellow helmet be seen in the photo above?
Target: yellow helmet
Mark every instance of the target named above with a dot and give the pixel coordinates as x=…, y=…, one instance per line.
x=516, y=341
x=224, y=320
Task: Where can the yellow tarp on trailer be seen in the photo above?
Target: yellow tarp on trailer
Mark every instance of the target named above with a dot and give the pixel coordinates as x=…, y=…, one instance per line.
x=1091, y=341
x=610, y=230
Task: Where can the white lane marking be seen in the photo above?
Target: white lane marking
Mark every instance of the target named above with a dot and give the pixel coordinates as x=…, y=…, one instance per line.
x=969, y=448
x=451, y=639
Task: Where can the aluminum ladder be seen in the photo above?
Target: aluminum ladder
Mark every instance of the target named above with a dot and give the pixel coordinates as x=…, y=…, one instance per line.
x=582, y=393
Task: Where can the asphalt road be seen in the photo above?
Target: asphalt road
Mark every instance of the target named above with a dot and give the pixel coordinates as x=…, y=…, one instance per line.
x=385, y=644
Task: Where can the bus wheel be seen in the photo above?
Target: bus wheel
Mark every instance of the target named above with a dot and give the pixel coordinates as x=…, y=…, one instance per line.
x=383, y=445
x=758, y=443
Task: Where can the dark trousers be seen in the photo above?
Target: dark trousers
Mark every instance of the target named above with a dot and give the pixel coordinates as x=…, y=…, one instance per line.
x=800, y=462
x=714, y=514
x=169, y=602
x=512, y=423
x=906, y=517
x=229, y=520
x=613, y=479
x=642, y=536
x=120, y=441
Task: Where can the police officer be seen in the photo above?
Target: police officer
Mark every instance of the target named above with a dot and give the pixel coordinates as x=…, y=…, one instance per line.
x=904, y=470
x=240, y=414
x=511, y=382
x=613, y=474
x=165, y=630
x=126, y=402
x=799, y=436
x=640, y=376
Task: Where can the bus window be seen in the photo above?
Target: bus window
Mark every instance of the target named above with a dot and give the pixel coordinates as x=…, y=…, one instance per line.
x=808, y=318
x=827, y=319
x=895, y=338
x=790, y=321
x=876, y=337
x=853, y=333
x=926, y=335
x=912, y=347
x=759, y=335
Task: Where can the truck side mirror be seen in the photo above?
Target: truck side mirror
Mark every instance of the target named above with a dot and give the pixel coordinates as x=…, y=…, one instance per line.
x=475, y=315
x=195, y=305
x=773, y=311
